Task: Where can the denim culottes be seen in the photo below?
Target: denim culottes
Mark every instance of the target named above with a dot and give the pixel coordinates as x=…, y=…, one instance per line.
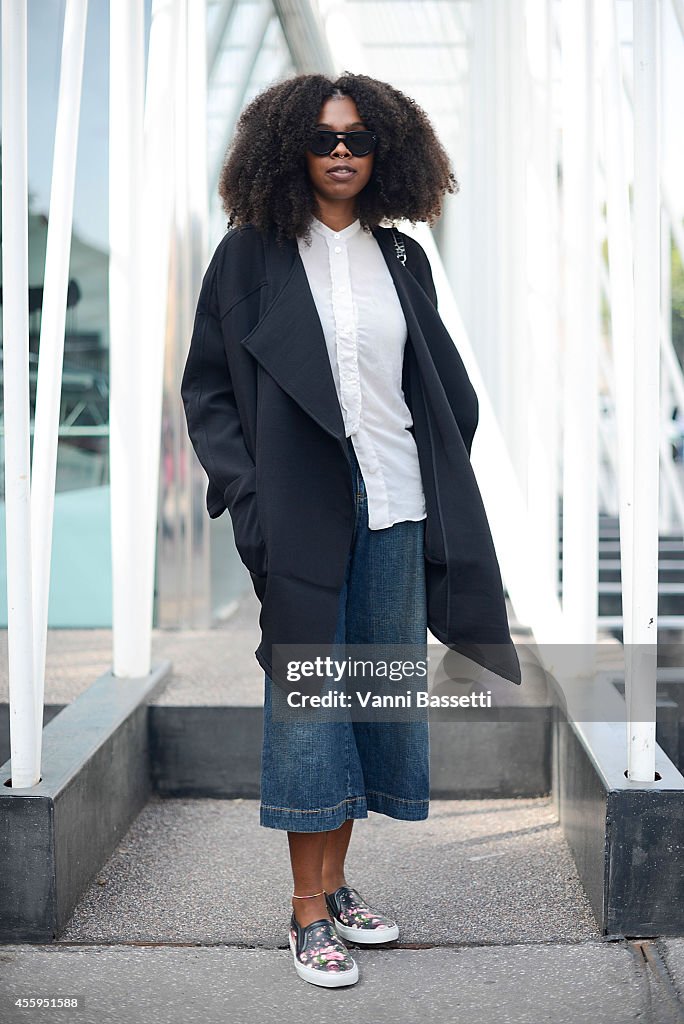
x=316, y=774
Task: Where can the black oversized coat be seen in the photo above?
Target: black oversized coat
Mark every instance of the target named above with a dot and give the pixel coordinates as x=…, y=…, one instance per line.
x=265, y=421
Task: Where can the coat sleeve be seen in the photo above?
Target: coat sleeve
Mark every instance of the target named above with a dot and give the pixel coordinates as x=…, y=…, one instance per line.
x=215, y=429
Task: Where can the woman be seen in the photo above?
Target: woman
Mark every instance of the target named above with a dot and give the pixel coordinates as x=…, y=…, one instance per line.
x=299, y=353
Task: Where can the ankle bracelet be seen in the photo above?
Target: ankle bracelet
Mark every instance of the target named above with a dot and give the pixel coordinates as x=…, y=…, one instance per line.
x=308, y=897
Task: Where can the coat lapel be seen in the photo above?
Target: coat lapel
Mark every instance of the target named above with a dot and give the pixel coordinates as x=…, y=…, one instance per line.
x=289, y=342
x=423, y=321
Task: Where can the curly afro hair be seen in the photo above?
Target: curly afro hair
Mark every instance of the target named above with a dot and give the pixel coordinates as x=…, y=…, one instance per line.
x=264, y=179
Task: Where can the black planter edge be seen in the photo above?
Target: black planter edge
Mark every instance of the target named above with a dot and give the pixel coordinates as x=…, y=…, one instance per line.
x=95, y=779
x=626, y=836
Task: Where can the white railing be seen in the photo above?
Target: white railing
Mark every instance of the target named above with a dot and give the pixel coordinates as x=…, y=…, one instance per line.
x=30, y=490
x=587, y=33
x=144, y=117
x=23, y=691
x=641, y=626
x=51, y=345
x=143, y=129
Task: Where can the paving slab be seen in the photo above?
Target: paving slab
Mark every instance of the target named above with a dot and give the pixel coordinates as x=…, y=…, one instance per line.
x=475, y=871
x=589, y=983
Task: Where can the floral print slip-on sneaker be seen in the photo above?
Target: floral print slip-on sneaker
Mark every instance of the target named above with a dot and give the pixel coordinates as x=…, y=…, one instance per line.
x=355, y=921
x=319, y=956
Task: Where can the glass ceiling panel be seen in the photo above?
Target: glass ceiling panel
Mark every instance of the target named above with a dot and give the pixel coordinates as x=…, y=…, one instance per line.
x=253, y=53
x=421, y=48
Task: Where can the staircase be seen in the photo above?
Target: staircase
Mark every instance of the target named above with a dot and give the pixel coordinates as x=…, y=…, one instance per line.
x=670, y=674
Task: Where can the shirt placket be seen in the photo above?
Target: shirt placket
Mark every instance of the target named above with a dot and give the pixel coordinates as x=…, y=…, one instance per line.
x=345, y=334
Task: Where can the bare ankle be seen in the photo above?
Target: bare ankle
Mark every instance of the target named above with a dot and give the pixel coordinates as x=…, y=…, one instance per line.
x=311, y=909
x=333, y=881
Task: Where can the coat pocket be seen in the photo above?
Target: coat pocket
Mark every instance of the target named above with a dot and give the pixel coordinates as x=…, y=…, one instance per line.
x=241, y=502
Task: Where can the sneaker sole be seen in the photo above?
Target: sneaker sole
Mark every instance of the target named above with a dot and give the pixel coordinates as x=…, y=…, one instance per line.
x=371, y=936
x=316, y=977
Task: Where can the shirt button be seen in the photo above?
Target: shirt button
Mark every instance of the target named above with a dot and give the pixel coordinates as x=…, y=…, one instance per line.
x=338, y=248
x=342, y=288
x=336, y=235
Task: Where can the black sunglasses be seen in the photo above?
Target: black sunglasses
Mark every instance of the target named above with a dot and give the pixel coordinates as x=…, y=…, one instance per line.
x=322, y=142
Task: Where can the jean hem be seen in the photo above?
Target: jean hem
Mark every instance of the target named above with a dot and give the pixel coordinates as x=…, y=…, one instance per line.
x=396, y=807
x=318, y=820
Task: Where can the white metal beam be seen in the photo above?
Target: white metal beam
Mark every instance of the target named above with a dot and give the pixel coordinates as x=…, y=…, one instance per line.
x=189, y=547
x=621, y=284
x=221, y=30
x=640, y=646
x=126, y=302
x=305, y=37
x=580, y=319
x=541, y=224
x=23, y=699
x=53, y=320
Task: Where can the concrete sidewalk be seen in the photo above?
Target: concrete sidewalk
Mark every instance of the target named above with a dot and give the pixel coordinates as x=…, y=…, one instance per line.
x=187, y=922
x=474, y=872
x=523, y=984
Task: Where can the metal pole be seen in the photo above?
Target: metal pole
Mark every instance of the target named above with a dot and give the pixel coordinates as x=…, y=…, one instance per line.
x=22, y=695
x=669, y=495
x=668, y=511
x=543, y=443
x=181, y=568
x=580, y=471
x=483, y=286
x=640, y=687
x=192, y=548
x=621, y=289
x=164, y=111
x=128, y=391
x=50, y=362
x=498, y=64
x=512, y=342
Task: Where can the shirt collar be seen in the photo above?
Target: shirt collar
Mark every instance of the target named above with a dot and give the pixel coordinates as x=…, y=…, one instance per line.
x=345, y=234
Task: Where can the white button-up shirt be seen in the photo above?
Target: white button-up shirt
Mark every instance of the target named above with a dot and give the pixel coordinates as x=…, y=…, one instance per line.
x=365, y=333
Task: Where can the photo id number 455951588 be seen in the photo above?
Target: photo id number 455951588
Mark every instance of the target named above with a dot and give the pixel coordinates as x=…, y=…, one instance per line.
x=49, y=1002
